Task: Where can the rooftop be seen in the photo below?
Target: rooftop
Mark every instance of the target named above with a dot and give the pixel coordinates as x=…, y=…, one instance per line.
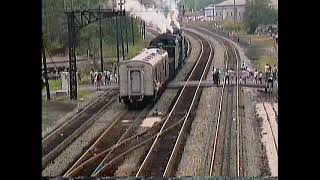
x=152, y=55
x=230, y=2
x=240, y=2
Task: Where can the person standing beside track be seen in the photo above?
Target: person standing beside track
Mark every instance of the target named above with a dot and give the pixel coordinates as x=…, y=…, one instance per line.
x=99, y=78
x=227, y=75
x=260, y=77
x=92, y=76
x=255, y=75
x=213, y=74
x=218, y=75
x=243, y=67
x=275, y=72
x=267, y=71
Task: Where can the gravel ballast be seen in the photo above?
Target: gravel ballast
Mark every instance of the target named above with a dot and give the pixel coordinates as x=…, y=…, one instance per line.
x=59, y=117
x=60, y=163
x=196, y=156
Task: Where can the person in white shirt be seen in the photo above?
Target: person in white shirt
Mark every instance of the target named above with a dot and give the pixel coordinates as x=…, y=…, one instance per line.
x=243, y=67
x=256, y=76
x=227, y=75
x=92, y=77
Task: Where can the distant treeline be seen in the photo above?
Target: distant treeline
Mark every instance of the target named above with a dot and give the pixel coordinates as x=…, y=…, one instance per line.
x=55, y=28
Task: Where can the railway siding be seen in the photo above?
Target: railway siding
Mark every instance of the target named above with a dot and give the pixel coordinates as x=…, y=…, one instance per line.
x=67, y=156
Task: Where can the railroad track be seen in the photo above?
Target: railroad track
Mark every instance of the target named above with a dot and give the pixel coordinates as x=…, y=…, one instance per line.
x=101, y=155
x=100, y=149
x=114, y=156
x=161, y=159
x=123, y=127
x=63, y=135
x=110, y=158
x=226, y=158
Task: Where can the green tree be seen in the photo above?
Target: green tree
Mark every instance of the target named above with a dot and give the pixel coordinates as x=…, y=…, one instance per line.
x=258, y=12
x=55, y=28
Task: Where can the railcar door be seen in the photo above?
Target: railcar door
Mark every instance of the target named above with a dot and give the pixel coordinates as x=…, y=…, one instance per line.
x=135, y=81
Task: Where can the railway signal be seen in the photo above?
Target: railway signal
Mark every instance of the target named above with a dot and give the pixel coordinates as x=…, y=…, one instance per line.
x=76, y=21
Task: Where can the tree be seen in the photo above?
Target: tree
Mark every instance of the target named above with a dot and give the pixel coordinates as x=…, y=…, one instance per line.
x=55, y=27
x=258, y=12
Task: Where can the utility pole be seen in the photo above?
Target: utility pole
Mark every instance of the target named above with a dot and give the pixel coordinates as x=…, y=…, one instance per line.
x=100, y=37
x=117, y=35
x=121, y=34
x=144, y=30
x=45, y=71
x=132, y=31
x=72, y=5
x=140, y=28
x=195, y=10
x=72, y=56
x=212, y=10
x=234, y=17
x=125, y=24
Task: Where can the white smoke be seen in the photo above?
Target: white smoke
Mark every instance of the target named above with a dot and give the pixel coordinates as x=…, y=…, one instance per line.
x=173, y=10
x=151, y=16
x=174, y=17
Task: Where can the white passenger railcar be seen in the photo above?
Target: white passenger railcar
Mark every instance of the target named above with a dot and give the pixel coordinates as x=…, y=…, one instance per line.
x=143, y=78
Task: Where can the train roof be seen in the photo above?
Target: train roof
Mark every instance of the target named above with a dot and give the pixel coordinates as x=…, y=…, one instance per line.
x=150, y=55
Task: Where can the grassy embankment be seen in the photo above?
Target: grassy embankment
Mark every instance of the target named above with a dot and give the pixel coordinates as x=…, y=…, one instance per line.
x=259, y=43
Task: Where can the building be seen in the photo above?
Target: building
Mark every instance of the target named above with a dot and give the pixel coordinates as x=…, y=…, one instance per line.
x=228, y=11
x=208, y=12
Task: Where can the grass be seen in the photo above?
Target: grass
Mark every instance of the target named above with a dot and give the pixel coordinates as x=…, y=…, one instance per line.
x=262, y=61
x=225, y=25
x=82, y=96
x=54, y=85
x=258, y=43
x=262, y=41
x=134, y=50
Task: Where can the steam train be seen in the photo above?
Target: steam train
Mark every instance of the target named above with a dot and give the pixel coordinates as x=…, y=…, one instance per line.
x=143, y=78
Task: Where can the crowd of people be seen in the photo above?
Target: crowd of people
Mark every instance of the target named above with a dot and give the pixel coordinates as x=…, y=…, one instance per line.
x=102, y=78
x=268, y=77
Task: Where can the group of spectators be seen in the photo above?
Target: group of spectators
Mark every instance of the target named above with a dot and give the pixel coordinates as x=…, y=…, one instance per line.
x=270, y=74
x=103, y=78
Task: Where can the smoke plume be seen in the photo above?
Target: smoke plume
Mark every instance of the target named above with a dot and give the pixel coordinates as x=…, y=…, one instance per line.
x=151, y=16
x=171, y=5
